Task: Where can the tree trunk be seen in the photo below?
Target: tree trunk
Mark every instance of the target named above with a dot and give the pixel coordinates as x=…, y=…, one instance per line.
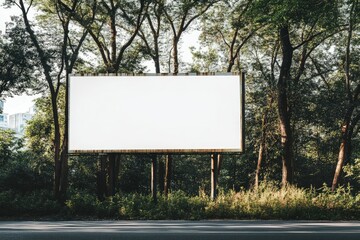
x=113, y=161
x=231, y=63
x=258, y=166
x=168, y=170
x=113, y=42
x=284, y=109
x=262, y=147
x=101, y=178
x=175, y=56
x=64, y=173
x=340, y=163
x=157, y=64
x=64, y=149
x=154, y=167
x=344, y=150
x=161, y=176
x=157, y=55
x=57, y=149
x=219, y=160
x=111, y=175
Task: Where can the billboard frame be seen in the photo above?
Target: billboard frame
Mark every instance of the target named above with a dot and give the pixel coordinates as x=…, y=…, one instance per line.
x=241, y=148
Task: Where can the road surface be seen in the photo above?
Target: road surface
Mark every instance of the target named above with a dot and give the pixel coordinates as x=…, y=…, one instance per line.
x=176, y=230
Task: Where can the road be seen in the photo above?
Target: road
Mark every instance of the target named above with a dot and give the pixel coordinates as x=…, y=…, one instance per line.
x=176, y=230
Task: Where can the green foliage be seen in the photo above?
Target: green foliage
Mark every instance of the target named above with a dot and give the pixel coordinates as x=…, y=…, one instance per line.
x=267, y=202
x=82, y=204
x=21, y=171
x=178, y=205
x=39, y=132
x=317, y=99
x=18, y=64
x=352, y=172
x=30, y=205
x=286, y=12
x=82, y=174
x=134, y=174
x=8, y=145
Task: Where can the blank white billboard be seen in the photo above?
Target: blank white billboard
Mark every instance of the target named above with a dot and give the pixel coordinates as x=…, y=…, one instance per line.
x=155, y=113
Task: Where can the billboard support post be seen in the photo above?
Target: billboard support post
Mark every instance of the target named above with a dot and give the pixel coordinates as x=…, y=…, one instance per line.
x=167, y=179
x=154, y=177
x=101, y=179
x=214, y=174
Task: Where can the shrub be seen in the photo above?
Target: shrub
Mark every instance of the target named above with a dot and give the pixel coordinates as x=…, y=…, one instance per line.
x=82, y=204
x=34, y=204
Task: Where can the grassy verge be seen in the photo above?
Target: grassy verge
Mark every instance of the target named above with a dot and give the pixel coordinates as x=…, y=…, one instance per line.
x=267, y=202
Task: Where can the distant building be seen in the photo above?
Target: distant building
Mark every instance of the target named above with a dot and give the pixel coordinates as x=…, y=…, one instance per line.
x=1, y=106
x=17, y=122
x=3, y=117
x=3, y=120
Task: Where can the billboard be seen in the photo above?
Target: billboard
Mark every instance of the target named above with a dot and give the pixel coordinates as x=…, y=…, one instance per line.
x=156, y=114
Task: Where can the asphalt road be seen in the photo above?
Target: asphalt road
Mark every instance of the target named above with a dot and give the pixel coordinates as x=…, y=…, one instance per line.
x=169, y=230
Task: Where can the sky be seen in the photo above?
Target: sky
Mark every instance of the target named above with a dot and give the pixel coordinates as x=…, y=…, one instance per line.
x=18, y=104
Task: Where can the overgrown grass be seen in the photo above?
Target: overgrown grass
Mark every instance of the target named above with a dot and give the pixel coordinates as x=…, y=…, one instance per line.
x=267, y=202
x=271, y=202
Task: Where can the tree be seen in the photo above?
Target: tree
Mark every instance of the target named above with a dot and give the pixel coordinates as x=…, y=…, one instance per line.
x=301, y=27
x=153, y=26
x=18, y=63
x=262, y=53
x=7, y=145
x=180, y=16
x=350, y=76
x=226, y=34
x=20, y=170
x=57, y=62
x=113, y=27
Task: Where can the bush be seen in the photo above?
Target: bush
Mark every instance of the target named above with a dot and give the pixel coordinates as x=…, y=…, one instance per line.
x=180, y=206
x=34, y=204
x=82, y=204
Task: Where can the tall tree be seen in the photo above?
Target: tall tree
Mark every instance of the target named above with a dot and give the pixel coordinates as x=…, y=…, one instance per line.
x=262, y=52
x=301, y=26
x=350, y=74
x=57, y=62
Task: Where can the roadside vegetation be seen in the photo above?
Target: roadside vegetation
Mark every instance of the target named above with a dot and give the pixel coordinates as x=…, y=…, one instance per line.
x=268, y=202
x=302, y=155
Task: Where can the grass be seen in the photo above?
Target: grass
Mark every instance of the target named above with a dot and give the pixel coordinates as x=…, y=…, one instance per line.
x=267, y=202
